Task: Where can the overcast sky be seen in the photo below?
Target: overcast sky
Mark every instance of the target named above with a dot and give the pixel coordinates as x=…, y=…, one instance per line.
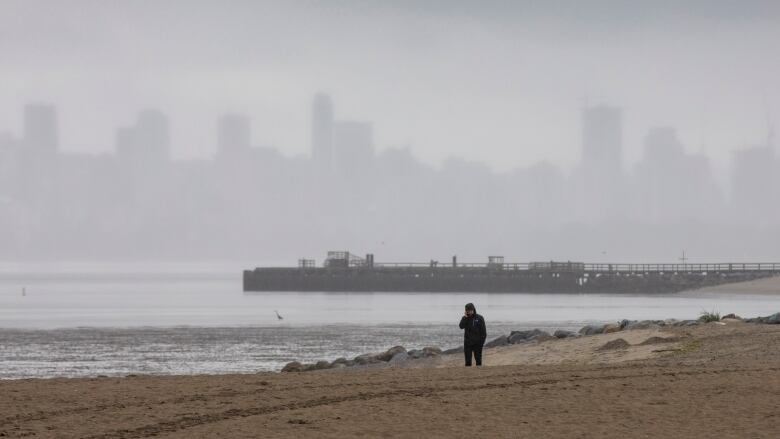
x=498, y=82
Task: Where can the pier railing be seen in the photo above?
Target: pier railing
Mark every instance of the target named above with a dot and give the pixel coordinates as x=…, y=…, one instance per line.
x=597, y=267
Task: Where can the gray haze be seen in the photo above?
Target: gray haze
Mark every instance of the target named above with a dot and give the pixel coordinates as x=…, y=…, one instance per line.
x=268, y=131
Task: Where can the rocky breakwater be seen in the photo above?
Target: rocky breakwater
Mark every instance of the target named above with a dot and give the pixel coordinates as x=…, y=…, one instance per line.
x=398, y=355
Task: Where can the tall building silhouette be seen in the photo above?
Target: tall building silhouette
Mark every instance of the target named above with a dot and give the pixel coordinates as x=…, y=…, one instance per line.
x=322, y=132
x=233, y=135
x=602, y=132
x=600, y=175
x=40, y=128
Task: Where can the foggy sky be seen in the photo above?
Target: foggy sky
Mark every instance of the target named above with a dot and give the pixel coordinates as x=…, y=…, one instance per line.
x=497, y=82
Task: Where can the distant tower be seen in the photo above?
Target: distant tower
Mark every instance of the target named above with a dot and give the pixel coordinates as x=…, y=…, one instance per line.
x=602, y=132
x=322, y=132
x=601, y=175
x=233, y=135
x=40, y=128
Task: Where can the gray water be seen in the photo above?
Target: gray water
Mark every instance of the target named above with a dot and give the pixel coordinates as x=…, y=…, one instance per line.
x=75, y=323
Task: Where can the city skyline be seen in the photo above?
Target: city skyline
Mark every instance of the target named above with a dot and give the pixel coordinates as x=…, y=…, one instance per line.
x=497, y=82
x=346, y=193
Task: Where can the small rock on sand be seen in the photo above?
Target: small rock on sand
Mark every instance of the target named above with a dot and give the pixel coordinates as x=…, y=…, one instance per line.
x=617, y=343
x=659, y=340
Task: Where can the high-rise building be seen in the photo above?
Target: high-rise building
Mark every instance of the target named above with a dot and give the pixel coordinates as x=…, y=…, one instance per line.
x=40, y=128
x=322, y=132
x=600, y=175
x=602, y=132
x=353, y=151
x=233, y=135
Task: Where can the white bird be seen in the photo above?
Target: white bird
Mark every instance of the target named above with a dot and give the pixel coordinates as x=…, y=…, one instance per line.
x=278, y=316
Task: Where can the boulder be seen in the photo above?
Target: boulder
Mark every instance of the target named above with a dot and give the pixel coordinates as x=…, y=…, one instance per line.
x=341, y=360
x=561, y=333
x=731, y=316
x=399, y=358
x=773, y=319
x=431, y=351
x=625, y=322
x=499, y=341
x=610, y=328
x=366, y=359
x=415, y=353
x=452, y=351
x=322, y=364
x=338, y=365
x=516, y=337
x=293, y=366
x=592, y=330
x=617, y=343
x=388, y=354
x=643, y=324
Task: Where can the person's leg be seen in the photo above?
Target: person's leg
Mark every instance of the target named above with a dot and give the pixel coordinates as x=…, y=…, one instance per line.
x=467, y=351
x=478, y=354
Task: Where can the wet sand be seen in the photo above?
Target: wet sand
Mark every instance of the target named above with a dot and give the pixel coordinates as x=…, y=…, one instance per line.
x=765, y=286
x=711, y=380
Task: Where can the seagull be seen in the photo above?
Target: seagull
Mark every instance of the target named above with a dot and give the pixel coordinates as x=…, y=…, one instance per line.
x=278, y=316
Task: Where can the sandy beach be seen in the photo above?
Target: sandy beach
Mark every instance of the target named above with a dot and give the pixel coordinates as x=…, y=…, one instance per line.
x=765, y=286
x=720, y=379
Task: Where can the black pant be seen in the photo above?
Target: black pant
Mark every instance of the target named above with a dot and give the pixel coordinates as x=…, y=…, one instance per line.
x=476, y=349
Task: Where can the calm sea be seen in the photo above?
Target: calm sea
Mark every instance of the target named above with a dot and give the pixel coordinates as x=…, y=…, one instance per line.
x=108, y=320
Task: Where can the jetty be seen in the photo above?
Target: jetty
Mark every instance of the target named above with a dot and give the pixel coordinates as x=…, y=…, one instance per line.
x=343, y=271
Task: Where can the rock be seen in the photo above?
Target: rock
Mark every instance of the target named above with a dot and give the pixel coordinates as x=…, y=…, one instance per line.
x=773, y=319
x=659, y=340
x=388, y=354
x=516, y=337
x=399, y=358
x=592, y=330
x=452, y=351
x=644, y=324
x=624, y=323
x=338, y=365
x=293, y=366
x=608, y=329
x=415, y=353
x=431, y=351
x=731, y=316
x=502, y=340
x=617, y=343
x=366, y=359
x=341, y=360
x=322, y=364
x=560, y=333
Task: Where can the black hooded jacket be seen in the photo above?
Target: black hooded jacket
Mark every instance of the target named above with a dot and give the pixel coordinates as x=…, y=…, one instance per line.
x=475, y=331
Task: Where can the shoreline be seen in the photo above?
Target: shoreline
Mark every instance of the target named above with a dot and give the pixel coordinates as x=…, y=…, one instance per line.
x=669, y=382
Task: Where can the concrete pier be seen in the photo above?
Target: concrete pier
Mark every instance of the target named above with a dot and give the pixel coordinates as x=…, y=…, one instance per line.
x=347, y=273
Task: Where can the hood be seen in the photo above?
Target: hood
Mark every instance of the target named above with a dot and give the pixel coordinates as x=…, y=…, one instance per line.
x=471, y=306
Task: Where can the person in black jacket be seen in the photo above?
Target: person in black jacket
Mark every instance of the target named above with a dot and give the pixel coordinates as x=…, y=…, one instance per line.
x=474, y=334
